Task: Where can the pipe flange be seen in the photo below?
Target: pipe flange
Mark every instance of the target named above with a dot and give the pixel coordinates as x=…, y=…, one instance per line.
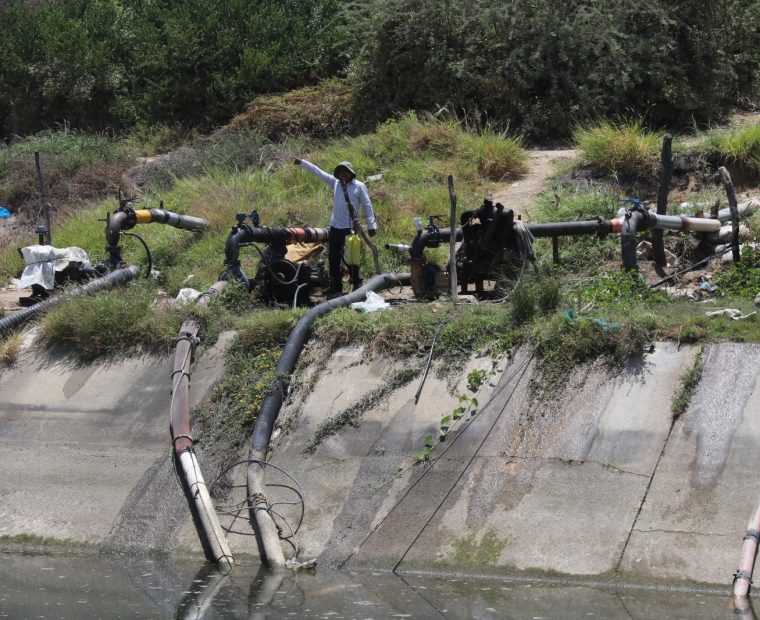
x=131, y=217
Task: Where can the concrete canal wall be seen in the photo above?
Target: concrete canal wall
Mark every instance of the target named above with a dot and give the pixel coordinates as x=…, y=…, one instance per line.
x=596, y=482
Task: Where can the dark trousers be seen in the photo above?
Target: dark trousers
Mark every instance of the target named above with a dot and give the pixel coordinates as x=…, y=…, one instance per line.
x=337, y=242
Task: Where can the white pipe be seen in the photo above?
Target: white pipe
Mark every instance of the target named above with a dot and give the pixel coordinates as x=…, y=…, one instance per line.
x=259, y=505
x=206, y=512
x=206, y=594
x=743, y=576
x=681, y=222
x=745, y=208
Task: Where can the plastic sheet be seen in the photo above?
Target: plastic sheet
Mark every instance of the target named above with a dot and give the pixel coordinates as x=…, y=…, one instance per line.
x=373, y=303
x=42, y=261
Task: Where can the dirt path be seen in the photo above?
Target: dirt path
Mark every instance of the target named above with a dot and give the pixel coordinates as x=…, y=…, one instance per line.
x=520, y=196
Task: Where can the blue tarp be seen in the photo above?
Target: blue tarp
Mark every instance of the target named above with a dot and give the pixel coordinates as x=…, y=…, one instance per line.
x=4, y=213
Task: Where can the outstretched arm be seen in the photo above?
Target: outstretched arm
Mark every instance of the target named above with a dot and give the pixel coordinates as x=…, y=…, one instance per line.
x=323, y=176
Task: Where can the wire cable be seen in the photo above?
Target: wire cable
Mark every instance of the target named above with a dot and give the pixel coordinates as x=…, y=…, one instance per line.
x=147, y=251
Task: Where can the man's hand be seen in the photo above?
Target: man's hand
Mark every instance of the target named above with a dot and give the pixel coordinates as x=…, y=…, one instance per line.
x=297, y=161
x=372, y=232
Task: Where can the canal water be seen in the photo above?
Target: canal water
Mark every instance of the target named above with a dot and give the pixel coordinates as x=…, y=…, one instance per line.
x=85, y=587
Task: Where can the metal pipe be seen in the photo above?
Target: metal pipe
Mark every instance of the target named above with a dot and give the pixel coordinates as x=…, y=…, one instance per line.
x=126, y=219
x=177, y=220
x=571, y=229
x=634, y=221
x=745, y=208
x=182, y=441
x=743, y=576
x=243, y=233
x=431, y=238
x=398, y=247
x=682, y=223
x=270, y=408
x=120, y=276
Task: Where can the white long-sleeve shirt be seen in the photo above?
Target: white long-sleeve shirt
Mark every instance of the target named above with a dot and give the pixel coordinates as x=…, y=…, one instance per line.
x=357, y=193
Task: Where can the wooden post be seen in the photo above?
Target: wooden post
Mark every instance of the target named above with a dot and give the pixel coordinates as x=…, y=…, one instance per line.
x=43, y=201
x=453, y=242
x=733, y=207
x=555, y=249
x=666, y=174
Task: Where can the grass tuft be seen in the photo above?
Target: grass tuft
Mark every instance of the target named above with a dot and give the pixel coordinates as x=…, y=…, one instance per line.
x=737, y=144
x=625, y=147
x=689, y=382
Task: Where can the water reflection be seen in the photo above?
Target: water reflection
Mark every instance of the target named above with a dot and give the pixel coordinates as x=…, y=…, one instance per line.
x=64, y=587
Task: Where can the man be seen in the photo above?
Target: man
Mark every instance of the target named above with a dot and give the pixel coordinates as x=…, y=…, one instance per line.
x=344, y=185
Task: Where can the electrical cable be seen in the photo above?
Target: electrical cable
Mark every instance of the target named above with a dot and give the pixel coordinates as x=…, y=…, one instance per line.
x=147, y=251
x=228, y=510
x=268, y=265
x=520, y=370
x=697, y=264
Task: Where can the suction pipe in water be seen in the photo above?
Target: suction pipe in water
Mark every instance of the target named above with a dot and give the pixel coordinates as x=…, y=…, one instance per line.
x=182, y=440
x=743, y=576
x=114, y=278
x=271, y=551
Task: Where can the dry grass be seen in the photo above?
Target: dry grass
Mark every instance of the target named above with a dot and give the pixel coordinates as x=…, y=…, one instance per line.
x=322, y=111
x=10, y=349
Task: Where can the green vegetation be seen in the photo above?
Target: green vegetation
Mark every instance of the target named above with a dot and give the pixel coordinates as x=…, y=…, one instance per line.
x=742, y=279
x=120, y=322
x=76, y=167
x=115, y=63
x=545, y=66
x=689, y=382
x=351, y=415
x=737, y=144
x=467, y=552
x=539, y=68
x=226, y=418
x=619, y=147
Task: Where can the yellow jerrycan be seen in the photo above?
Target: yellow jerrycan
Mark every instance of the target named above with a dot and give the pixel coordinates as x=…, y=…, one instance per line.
x=353, y=250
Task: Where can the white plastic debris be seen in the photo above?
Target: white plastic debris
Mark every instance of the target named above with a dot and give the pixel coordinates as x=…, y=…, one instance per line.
x=732, y=313
x=373, y=303
x=188, y=295
x=42, y=261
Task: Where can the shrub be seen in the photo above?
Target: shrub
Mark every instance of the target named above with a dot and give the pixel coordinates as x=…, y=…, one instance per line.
x=323, y=111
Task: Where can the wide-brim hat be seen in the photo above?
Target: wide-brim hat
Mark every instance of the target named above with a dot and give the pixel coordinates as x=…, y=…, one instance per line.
x=344, y=164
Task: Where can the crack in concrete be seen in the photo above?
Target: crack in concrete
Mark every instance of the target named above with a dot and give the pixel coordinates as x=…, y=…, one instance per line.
x=690, y=532
x=601, y=464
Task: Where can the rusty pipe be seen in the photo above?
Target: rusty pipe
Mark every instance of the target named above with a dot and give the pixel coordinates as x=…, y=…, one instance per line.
x=182, y=441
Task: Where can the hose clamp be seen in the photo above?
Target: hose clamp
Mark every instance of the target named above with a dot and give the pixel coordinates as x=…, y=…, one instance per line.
x=752, y=534
x=742, y=574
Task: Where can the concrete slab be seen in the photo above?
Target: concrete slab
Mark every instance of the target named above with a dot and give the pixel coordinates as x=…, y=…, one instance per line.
x=76, y=441
x=702, y=495
x=555, y=486
x=353, y=477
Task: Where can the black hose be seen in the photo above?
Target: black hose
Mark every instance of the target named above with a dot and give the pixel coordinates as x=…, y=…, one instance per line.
x=119, y=276
x=147, y=252
x=270, y=409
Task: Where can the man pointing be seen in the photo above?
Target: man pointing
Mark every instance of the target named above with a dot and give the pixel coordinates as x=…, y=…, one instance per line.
x=345, y=187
